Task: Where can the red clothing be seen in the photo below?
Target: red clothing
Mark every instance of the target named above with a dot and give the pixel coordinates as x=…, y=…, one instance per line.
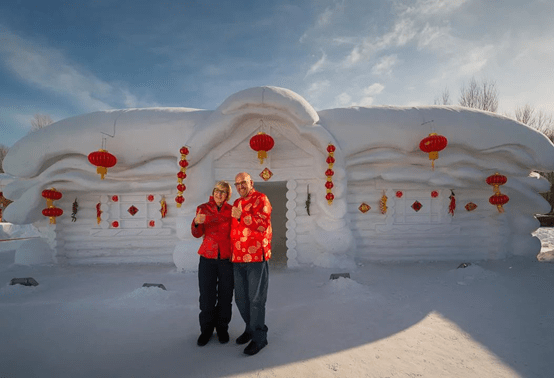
x=251, y=237
x=216, y=230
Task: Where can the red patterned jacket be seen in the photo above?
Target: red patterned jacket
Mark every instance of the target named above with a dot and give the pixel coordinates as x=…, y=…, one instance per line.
x=216, y=230
x=251, y=236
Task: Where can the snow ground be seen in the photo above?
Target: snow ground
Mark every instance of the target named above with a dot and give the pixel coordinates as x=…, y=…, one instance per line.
x=490, y=319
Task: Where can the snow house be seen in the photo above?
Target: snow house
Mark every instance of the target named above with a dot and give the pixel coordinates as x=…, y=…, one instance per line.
x=347, y=185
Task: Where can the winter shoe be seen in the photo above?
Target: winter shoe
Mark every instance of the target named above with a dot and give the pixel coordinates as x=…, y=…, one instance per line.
x=204, y=338
x=244, y=338
x=254, y=347
x=223, y=336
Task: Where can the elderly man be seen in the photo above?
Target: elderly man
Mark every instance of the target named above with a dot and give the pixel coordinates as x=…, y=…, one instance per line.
x=251, y=244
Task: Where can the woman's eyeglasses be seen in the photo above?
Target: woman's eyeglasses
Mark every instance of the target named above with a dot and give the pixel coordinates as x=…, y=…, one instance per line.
x=220, y=192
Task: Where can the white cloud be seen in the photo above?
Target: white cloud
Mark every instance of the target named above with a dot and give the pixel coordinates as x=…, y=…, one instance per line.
x=343, y=99
x=318, y=65
x=48, y=68
x=374, y=89
x=385, y=65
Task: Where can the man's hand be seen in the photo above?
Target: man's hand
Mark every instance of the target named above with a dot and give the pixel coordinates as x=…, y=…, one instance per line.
x=200, y=218
x=236, y=211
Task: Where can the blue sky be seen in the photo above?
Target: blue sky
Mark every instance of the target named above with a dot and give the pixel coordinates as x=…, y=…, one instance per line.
x=66, y=58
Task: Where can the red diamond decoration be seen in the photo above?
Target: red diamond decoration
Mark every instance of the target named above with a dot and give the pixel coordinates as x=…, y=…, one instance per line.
x=133, y=210
x=416, y=206
x=266, y=174
x=470, y=206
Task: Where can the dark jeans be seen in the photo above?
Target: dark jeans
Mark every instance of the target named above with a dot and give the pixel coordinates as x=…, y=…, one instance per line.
x=251, y=282
x=215, y=280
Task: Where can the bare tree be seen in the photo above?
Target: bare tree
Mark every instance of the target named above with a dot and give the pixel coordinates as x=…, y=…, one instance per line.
x=539, y=120
x=444, y=98
x=3, y=152
x=482, y=95
x=40, y=120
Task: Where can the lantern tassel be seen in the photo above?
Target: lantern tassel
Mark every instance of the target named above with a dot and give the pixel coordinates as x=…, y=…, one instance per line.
x=101, y=171
x=262, y=155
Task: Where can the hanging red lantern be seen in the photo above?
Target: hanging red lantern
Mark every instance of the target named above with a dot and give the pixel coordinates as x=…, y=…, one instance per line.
x=52, y=212
x=262, y=143
x=329, y=173
x=432, y=145
x=498, y=199
x=52, y=194
x=103, y=160
x=496, y=180
x=181, y=175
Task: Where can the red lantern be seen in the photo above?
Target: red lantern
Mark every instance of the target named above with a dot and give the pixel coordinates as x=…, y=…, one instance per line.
x=330, y=160
x=329, y=197
x=51, y=194
x=331, y=148
x=103, y=160
x=181, y=176
x=184, y=151
x=329, y=185
x=496, y=180
x=181, y=187
x=432, y=145
x=52, y=212
x=262, y=143
x=498, y=199
x=329, y=172
x=179, y=199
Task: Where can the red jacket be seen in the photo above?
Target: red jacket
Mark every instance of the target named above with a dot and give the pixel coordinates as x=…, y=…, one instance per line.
x=251, y=237
x=216, y=230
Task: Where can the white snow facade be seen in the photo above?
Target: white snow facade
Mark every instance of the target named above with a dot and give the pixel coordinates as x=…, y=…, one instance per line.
x=377, y=154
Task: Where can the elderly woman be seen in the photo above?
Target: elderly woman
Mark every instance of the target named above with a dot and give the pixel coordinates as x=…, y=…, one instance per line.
x=215, y=270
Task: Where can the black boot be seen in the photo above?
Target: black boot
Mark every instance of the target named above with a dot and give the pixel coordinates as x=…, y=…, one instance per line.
x=204, y=338
x=244, y=338
x=222, y=335
x=254, y=347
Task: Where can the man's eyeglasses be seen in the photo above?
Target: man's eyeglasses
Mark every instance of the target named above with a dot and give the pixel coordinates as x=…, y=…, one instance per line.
x=242, y=183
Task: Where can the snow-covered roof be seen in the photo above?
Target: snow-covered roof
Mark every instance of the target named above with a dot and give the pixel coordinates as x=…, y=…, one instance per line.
x=147, y=141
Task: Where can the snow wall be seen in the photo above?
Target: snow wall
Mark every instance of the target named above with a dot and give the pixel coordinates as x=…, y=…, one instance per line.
x=377, y=154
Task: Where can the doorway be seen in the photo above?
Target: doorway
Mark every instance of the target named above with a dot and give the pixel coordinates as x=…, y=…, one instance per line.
x=276, y=192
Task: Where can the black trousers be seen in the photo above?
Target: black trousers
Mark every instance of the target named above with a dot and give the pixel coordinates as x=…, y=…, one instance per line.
x=216, y=283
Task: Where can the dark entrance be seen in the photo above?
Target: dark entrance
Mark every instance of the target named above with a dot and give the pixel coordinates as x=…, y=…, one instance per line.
x=277, y=194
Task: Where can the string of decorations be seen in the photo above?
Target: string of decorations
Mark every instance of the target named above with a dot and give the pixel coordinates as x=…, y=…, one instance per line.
x=452, y=205
x=329, y=173
x=52, y=211
x=163, y=207
x=98, y=213
x=498, y=199
x=181, y=175
x=383, y=203
x=74, y=208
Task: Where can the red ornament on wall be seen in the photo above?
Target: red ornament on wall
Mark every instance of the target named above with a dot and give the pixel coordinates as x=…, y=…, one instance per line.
x=103, y=160
x=52, y=212
x=115, y=224
x=432, y=144
x=181, y=175
x=434, y=194
x=329, y=173
x=499, y=200
x=262, y=143
x=399, y=194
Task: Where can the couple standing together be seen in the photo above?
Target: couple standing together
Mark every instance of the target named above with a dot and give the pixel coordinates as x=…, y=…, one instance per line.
x=234, y=254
